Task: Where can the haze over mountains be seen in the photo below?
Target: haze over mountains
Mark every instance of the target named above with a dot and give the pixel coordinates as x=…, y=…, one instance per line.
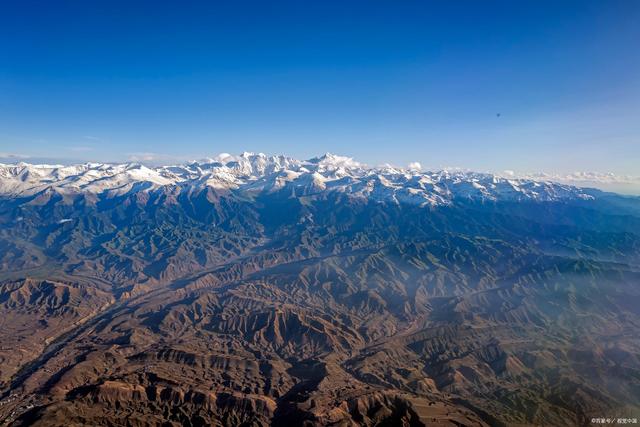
x=258, y=290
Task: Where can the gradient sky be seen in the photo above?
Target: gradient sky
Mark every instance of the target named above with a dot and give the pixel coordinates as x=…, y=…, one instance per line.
x=381, y=81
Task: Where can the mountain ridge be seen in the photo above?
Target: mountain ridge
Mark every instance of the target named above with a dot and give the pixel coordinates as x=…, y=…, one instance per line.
x=258, y=173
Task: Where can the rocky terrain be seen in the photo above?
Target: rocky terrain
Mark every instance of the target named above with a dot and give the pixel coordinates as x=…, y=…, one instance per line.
x=256, y=290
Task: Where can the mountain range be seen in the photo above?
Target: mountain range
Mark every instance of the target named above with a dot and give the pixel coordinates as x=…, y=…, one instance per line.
x=263, y=290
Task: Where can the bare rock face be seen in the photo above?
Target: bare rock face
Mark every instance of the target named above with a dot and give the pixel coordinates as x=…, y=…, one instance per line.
x=313, y=293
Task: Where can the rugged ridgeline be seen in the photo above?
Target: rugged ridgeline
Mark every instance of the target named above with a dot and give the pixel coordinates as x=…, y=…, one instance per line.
x=260, y=290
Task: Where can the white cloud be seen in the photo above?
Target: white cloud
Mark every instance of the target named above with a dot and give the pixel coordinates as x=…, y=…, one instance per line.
x=335, y=161
x=225, y=157
x=13, y=156
x=414, y=166
x=144, y=157
x=154, y=158
x=607, y=181
x=578, y=177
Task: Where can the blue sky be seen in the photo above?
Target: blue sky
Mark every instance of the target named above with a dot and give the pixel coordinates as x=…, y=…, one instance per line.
x=381, y=81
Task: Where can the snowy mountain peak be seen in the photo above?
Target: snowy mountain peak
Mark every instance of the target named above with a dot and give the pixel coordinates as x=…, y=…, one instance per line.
x=262, y=173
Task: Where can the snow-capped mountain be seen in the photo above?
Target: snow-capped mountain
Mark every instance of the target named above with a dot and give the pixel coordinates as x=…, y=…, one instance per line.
x=259, y=173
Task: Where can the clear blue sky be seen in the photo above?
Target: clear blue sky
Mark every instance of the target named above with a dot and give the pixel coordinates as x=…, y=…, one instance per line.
x=382, y=81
